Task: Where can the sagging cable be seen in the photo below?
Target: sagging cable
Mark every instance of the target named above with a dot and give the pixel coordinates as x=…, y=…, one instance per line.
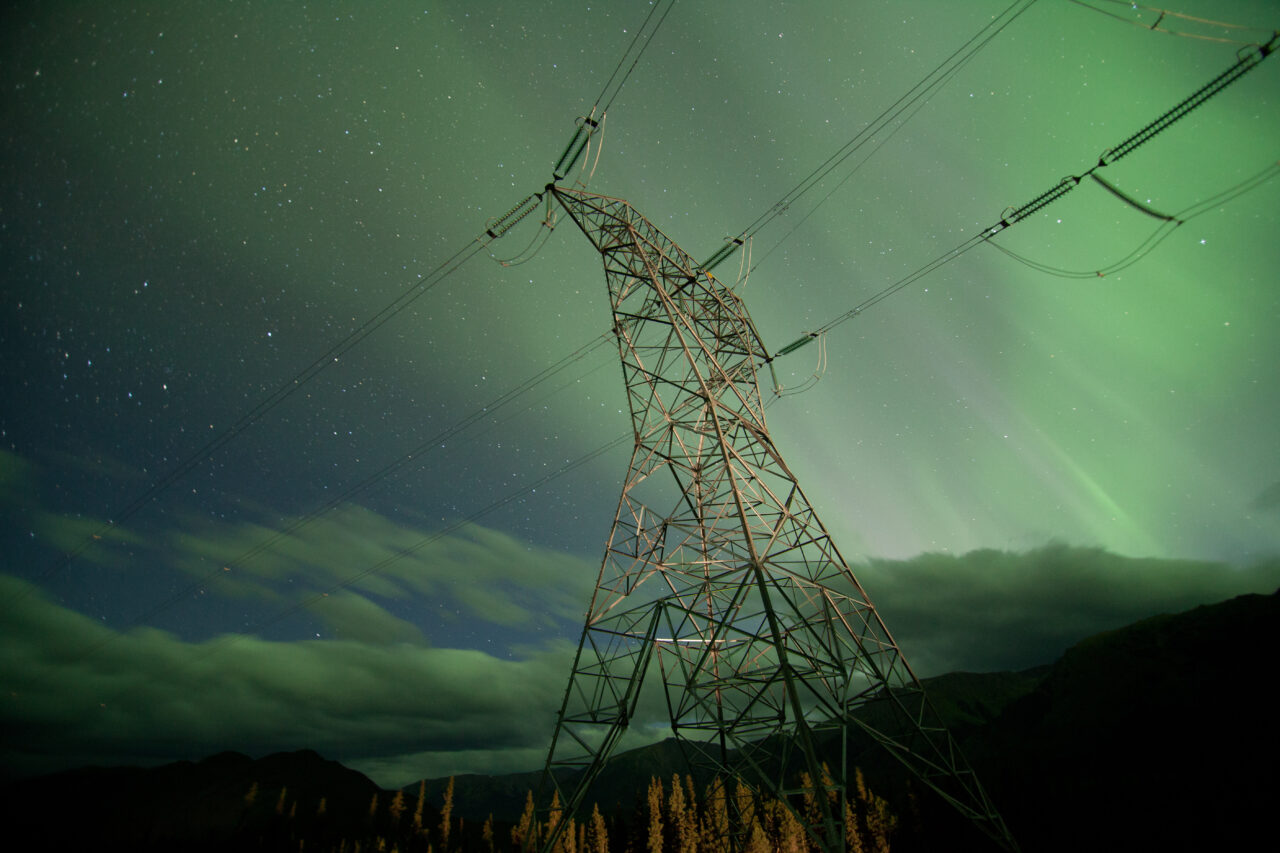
x=538, y=240
x=744, y=268
x=1130, y=200
x=819, y=369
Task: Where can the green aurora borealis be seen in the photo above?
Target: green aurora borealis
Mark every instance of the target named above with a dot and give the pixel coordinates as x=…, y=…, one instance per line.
x=202, y=197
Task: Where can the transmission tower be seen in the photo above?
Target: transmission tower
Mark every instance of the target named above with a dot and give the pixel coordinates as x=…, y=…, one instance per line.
x=718, y=569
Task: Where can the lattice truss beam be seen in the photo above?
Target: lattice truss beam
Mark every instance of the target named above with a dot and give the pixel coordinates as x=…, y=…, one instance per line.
x=717, y=565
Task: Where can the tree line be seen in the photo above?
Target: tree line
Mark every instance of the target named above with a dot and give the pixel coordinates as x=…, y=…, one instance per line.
x=671, y=816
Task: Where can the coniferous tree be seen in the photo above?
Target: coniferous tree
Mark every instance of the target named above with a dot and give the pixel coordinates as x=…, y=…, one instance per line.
x=852, y=834
x=868, y=823
x=791, y=834
x=568, y=840
x=597, y=840
x=553, y=822
x=397, y=807
x=812, y=812
x=446, y=817
x=654, y=839
x=417, y=809
x=757, y=840
x=744, y=810
x=714, y=826
x=812, y=808
x=695, y=820
x=682, y=815
x=486, y=834
x=749, y=813
x=524, y=835
x=879, y=822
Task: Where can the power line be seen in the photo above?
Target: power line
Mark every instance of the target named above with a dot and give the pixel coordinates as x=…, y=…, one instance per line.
x=1158, y=236
x=500, y=226
x=588, y=124
x=226, y=568
x=1244, y=64
x=912, y=100
x=493, y=230
x=648, y=39
x=426, y=541
x=1139, y=15
x=918, y=105
x=282, y=392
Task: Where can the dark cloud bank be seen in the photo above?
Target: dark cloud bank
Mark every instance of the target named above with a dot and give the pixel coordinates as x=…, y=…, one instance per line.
x=75, y=692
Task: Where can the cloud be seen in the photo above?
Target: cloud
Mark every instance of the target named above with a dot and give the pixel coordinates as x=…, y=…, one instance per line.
x=377, y=698
x=990, y=610
x=145, y=696
x=397, y=771
x=478, y=573
x=353, y=617
x=360, y=558
x=90, y=540
x=346, y=567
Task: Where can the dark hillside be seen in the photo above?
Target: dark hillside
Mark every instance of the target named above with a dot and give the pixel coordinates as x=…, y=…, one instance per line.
x=228, y=801
x=1154, y=736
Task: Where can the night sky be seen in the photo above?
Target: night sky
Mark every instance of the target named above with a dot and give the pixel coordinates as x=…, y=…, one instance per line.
x=202, y=199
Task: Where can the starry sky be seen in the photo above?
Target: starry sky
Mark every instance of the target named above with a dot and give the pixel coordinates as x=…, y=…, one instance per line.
x=390, y=562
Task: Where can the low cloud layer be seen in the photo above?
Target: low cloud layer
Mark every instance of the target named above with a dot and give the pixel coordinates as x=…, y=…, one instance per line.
x=383, y=701
x=991, y=610
x=354, y=570
x=75, y=692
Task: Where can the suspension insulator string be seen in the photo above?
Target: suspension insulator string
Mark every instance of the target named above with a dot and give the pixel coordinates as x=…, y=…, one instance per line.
x=598, y=128
x=508, y=220
x=1248, y=61
x=1045, y=199
x=724, y=251
x=575, y=146
x=1167, y=225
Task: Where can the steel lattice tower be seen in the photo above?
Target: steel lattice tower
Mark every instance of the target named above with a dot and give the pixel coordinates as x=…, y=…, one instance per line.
x=718, y=567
